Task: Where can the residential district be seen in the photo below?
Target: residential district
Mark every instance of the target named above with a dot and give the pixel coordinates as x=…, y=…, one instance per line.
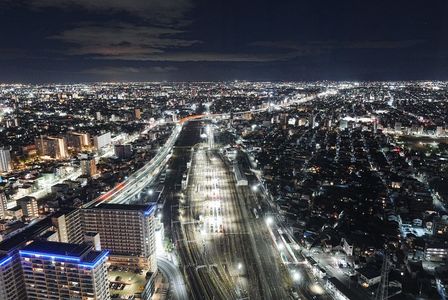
x=224, y=190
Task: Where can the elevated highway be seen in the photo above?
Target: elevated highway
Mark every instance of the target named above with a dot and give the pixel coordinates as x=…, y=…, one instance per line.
x=127, y=191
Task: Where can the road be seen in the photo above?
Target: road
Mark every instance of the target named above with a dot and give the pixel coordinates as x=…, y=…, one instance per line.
x=126, y=191
x=178, y=289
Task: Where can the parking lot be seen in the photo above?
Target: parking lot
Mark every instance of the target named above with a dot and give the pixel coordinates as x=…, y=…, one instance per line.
x=126, y=282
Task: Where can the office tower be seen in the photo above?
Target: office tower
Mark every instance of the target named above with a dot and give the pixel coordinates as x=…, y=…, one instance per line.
x=126, y=230
x=88, y=167
x=123, y=151
x=29, y=206
x=53, y=270
x=54, y=147
x=78, y=141
x=3, y=205
x=138, y=114
x=5, y=160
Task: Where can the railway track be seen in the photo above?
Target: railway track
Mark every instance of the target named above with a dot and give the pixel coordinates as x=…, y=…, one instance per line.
x=220, y=265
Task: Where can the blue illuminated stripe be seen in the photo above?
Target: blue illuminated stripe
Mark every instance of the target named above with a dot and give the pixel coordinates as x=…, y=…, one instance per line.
x=49, y=255
x=5, y=260
x=72, y=259
x=97, y=261
x=150, y=210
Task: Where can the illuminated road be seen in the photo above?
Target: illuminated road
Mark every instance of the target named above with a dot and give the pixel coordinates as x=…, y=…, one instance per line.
x=178, y=290
x=126, y=191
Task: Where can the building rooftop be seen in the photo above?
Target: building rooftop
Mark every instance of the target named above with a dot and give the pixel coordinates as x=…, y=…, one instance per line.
x=31, y=232
x=78, y=253
x=369, y=272
x=146, y=208
x=343, y=289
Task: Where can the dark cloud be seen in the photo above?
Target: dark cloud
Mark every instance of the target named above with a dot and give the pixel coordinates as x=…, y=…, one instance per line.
x=121, y=41
x=158, y=11
x=208, y=57
x=108, y=71
x=312, y=47
x=127, y=42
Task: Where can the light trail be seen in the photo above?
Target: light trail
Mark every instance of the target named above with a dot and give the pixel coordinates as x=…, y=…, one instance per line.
x=125, y=191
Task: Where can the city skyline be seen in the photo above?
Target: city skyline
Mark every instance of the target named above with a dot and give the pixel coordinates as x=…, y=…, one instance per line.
x=223, y=150
x=224, y=190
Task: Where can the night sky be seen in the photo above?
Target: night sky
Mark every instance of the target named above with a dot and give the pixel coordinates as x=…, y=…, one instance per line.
x=187, y=40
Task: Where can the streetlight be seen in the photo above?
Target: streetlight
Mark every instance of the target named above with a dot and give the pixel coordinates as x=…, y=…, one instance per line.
x=240, y=266
x=281, y=246
x=296, y=276
x=269, y=220
x=254, y=188
x=150, y=192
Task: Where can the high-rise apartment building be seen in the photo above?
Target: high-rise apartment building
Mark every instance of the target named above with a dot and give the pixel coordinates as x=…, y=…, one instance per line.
x=12, y=285
x=126, y=230
x=54, y=147
x=102, y=140
x=5, y=160
x=11, y=279
x=123, y=151
x=78, y=141
x=29, y=206
x=53, y=270
x=88, y=166
x=3, y=205
x=68, y=225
